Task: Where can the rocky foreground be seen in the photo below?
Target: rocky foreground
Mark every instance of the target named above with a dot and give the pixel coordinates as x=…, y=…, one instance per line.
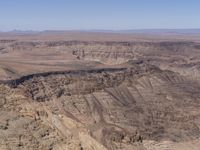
x=137, y=107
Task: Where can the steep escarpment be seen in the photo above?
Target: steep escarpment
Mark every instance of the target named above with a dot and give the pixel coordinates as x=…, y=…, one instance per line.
x=178, y=56
x=108, y=108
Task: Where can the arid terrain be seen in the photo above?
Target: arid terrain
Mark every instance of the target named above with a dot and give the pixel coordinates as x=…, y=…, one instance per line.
x=99, y=91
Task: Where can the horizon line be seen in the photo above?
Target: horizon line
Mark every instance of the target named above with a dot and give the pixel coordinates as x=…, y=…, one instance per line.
x=12, y=30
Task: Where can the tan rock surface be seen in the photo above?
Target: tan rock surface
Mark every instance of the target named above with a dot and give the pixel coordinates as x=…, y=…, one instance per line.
x=86, y=95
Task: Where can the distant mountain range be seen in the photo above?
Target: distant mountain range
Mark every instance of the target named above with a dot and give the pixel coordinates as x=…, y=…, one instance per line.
x=153, y=31
x=138, y=31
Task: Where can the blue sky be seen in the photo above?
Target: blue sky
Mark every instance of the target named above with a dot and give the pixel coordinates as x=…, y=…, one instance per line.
x=98, y=14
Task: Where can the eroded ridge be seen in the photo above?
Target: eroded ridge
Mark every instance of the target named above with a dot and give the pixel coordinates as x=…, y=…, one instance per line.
x=123, y=108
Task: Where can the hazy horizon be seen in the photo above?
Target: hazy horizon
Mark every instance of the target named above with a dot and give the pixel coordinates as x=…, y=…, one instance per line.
x=126, y=31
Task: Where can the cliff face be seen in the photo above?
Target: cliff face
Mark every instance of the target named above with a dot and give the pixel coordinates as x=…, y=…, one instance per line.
x=182, y=57
x=100, y=109
x=178, y=56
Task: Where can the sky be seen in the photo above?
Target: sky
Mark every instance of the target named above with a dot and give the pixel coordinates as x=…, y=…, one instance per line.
x=98, y=14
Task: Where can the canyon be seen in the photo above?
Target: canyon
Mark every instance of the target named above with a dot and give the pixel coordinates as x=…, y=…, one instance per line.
x=99, y=91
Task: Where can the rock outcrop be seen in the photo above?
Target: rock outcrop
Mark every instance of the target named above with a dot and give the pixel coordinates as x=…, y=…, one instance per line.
x=100, y=109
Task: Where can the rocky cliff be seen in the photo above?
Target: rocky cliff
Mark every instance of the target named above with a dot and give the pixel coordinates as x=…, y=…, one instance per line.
x=121, y=108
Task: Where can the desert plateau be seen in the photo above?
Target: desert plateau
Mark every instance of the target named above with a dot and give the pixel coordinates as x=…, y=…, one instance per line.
x=99, y=91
